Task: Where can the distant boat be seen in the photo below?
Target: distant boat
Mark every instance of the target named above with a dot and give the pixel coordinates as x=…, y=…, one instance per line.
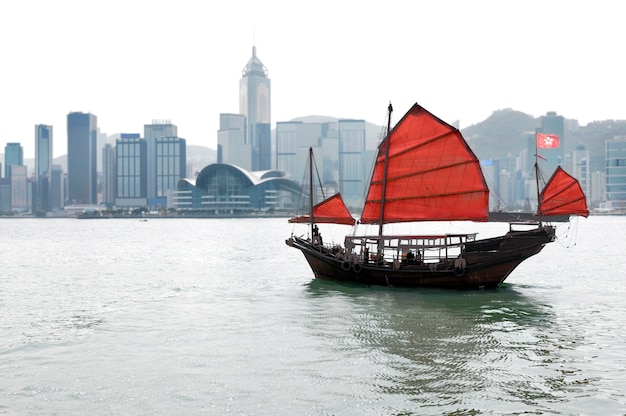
x=425, y=171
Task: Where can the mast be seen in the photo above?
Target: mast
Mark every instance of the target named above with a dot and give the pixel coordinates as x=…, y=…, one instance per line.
x=539, y=211
x=382, y=201
x=312, y=222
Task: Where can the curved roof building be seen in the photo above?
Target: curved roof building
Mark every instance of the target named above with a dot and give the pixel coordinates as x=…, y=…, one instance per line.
x=228, y=189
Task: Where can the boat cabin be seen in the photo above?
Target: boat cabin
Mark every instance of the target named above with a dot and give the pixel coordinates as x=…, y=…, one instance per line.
x=406, y=250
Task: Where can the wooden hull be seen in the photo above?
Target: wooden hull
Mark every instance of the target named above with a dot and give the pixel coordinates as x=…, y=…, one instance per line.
x=489, y=263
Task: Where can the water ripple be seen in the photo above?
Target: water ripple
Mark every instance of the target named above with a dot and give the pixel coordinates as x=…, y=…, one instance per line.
x=219, y=316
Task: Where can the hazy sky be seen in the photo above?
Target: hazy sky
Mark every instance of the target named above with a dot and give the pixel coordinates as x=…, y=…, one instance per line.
x=130, y=62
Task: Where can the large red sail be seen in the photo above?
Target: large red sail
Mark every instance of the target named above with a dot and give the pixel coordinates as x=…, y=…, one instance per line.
x=432, y=174
x=562, y=195
x=332, y=210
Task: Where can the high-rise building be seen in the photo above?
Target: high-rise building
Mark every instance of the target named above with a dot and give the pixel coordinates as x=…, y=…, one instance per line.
x=293, y=140
x=13, y=156
x=287, y=145
x=82, y=175
x=101, y=140
x=43, y=149
x=5, y=195
x=353, y=169
x=505, y=191
x=19, y=188
x=581, y=170
x=43, y=165
x=616, y=173
x=255, y=104
x=108, y=175
x=232, y=144
x=598, y=188
x=57, y=188
x=132, y=167
x=491, y=172
x=171, y=163
x=157, y=130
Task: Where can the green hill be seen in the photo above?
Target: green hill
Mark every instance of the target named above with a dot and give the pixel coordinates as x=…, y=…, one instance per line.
x=504, y=133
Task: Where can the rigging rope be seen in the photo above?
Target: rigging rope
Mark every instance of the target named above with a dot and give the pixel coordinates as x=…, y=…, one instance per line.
x=568, y=237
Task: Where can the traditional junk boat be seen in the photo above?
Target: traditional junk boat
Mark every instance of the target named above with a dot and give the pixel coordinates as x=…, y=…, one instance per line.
x=425, y=171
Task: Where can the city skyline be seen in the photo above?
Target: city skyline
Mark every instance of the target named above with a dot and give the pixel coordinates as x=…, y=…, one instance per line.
x=348, y=60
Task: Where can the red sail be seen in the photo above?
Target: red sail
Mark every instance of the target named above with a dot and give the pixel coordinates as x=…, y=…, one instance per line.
x=432, y=174
x=562, y=195
x=332, y=211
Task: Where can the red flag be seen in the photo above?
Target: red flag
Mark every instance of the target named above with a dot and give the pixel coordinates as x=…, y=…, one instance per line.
x=547, y=141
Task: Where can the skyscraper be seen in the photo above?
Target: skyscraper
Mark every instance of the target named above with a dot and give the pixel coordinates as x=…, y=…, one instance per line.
x=581, y=170
x=108, y=174
x=151, y=132
x=19, y=188
x=352, y=168
x=57, y=190
x=131, y=156
x=293, y=140
x=615, y=172
x=232, y=145
x=255, y=104
x=13, y=156
x=171, y=163
x=82, y=130
x=43, y=149
x=43, y=164
x=491, y=172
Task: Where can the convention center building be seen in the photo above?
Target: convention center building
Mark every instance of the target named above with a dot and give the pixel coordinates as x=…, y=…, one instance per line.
x=225, y=189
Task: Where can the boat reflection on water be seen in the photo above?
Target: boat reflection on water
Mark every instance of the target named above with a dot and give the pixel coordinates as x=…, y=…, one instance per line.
x=504, y=305
x=436, y=346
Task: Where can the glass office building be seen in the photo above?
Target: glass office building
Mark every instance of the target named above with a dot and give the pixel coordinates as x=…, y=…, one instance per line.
x=616, y=173
x=131, y=166
x=353, y=169
x=171, y=159
x=255, y=104
x=13, y=156
x=43, y=165
x=82, y=132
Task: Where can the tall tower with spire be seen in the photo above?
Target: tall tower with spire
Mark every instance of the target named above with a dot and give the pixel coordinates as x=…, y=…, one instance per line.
x=255, y=104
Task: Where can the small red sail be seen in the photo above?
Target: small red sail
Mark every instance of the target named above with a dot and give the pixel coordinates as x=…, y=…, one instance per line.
x=562, y=195
x=431, y=175
x=331, y=211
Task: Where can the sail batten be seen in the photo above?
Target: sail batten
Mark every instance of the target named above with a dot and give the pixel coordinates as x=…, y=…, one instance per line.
x=422, y=172
x=431, y=174
x=416, y=146
x=411, y=197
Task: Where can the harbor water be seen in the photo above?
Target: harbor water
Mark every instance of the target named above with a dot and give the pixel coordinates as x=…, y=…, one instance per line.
x=220, y=316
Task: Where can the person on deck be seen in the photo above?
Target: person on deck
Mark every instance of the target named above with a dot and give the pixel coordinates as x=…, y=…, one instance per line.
x=410, y=257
